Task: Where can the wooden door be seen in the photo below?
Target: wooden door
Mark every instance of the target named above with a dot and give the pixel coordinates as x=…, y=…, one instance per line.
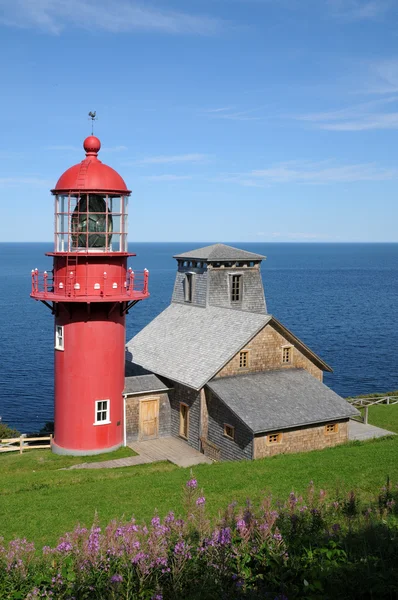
x=184, y=420
x=149, y=419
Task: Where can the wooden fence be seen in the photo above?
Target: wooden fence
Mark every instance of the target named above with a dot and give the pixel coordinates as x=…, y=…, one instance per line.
x=366, y=402
x=24, y=443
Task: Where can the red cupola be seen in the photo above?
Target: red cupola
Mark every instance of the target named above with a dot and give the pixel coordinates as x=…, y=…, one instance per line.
x=91, y=173
x=90, y=290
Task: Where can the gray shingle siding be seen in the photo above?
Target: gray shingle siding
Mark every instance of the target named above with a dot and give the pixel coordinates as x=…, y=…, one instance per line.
x=253, y=299
x=239, y=448
x=199, y=286
x=192, y=399
x=133, y=411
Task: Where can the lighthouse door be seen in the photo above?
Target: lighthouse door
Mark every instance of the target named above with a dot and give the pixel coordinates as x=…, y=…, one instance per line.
x=149, y=419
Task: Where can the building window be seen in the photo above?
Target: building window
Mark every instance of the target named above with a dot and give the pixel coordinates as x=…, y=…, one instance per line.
x=331, y=428
x=274, y=438
x=102, y=412
x=236, y=288
x=59, y=337
x=287, y=355
x=243, y=359
x=188, y=287
x=229, y=431
x=184, y=420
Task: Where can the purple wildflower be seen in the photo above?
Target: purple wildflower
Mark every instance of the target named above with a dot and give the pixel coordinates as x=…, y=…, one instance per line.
x=116, y=578
x=170, y=517
x=64, y=547
x=200, y=501
x=241, y=524
x=192, y=484
x=155, y=522
x=224, y=536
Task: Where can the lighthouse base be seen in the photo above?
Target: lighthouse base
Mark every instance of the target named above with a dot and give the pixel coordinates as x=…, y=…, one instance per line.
x=70, y=452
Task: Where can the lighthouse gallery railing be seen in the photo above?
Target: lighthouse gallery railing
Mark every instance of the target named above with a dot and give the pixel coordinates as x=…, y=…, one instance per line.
x=72, y=285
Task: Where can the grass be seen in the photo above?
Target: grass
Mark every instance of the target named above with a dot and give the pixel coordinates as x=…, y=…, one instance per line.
x=40, y=502
x=384, y=416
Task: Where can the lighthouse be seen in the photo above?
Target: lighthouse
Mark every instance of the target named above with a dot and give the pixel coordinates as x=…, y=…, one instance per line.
x=89, y=291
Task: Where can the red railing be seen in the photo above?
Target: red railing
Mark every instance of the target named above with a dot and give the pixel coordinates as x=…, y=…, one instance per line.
x=78, y=285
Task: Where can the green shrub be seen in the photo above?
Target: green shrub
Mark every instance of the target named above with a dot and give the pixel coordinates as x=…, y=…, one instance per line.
x=7, y=432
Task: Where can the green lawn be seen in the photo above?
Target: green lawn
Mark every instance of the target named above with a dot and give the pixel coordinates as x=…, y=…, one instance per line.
x=385, y=416
x=41, y=502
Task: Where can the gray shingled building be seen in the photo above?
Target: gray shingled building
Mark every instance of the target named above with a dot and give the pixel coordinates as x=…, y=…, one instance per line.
x=218, y=371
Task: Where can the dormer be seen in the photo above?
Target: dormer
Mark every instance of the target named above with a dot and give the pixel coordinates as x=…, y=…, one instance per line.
x=220, y=275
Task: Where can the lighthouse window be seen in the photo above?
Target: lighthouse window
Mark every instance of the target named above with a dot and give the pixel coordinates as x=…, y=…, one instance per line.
x=59, y=337
x=188, y=287
x=236, y=291
x=102, y=412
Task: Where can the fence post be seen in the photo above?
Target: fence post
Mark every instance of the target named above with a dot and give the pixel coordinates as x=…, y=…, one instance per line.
x=366, y=416
x=388, y=399
x=20, y=445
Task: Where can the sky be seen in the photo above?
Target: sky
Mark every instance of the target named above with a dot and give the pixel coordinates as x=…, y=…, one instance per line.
x=230, y=120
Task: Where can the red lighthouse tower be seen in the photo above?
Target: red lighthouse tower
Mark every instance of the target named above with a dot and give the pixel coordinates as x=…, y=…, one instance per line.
x=89, y=291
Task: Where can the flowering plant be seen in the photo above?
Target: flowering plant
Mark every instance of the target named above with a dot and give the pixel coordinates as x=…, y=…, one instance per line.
x=308, y=548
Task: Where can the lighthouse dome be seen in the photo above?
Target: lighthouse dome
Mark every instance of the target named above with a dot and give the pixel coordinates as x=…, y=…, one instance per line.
x=91, y=174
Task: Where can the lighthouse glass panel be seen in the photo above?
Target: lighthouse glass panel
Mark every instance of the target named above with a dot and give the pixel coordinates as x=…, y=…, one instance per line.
x=90, y=222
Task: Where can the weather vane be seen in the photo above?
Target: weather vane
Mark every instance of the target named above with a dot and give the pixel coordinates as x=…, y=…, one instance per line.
x=93, y=116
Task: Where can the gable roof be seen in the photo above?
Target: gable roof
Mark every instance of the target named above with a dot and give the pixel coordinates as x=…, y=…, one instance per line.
x=300, y=345
x=190, y=344
x=220, y=252
x=139, y=384
x=277, y=400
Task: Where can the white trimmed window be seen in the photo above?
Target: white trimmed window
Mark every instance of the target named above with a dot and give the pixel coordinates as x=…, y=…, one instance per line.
x=59, y=337
x=102, y=412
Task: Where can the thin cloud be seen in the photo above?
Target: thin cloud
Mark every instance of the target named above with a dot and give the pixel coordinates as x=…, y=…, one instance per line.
x=360, y=117
x=309, y=173
x=119, y=16
x=231, y=113
x=114, y=149
x=301, y=236
x=22, y=181
x=357, y=10
x=64, y=148
x=172, y=159
x=168, y=177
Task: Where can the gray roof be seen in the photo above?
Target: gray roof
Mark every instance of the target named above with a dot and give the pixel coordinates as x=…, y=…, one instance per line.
x=190, y=344
x=143, y=383
x=277, y=400
x=219, y=252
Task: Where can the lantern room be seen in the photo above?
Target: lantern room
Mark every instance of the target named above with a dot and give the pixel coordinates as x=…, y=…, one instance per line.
x=91, y=207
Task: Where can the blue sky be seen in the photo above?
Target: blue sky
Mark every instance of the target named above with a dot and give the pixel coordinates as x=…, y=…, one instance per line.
x=243, y=120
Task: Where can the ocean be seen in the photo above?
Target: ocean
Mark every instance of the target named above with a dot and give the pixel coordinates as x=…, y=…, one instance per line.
x=340, y=299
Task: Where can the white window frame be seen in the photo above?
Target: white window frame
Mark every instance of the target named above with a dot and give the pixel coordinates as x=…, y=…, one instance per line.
x=59, y=337
x=101, y=410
